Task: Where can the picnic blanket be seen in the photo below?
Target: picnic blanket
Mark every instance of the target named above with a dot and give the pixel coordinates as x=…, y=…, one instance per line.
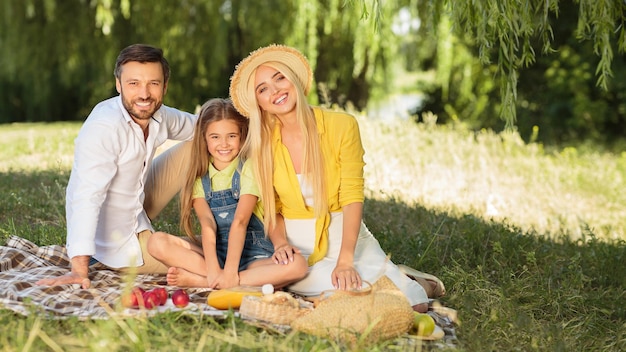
x=22, y=263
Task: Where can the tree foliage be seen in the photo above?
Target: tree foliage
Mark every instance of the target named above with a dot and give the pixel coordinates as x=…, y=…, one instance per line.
x=58, y=55
x=512, y=31
x=548, y=63
x=545, y=68
x=47, y=57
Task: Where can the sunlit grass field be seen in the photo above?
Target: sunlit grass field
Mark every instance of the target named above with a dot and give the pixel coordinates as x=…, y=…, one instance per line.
x=529, y=241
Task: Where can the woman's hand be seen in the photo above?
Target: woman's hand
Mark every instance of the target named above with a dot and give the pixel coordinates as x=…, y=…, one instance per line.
x=284, y=254
x=345, y=277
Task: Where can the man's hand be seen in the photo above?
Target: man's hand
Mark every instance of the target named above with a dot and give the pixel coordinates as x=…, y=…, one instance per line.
x=78, y=274
x=69, y=278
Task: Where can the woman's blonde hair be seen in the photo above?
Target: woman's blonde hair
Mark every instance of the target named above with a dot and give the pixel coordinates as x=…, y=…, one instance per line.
x=258, y=147
x=213, y=110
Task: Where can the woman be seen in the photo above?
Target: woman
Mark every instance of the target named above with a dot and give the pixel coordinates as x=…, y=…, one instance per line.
x=309, y=165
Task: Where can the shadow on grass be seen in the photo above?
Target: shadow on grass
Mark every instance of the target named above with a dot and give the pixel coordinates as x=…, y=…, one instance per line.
x=543, y=292
x=511, y=288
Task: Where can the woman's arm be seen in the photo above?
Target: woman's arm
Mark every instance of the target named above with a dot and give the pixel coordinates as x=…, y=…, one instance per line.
x=351, y=196
x=283, y=251
x=345, y=275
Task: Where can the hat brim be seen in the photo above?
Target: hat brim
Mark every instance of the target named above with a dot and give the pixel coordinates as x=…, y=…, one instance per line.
x=294, y=59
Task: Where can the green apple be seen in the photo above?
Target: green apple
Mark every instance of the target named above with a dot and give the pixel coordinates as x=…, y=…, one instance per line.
x=424, y=324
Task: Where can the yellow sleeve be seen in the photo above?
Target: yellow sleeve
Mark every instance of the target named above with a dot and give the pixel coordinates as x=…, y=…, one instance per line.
x=343, y=155
x=198, y=189
x=351, y=186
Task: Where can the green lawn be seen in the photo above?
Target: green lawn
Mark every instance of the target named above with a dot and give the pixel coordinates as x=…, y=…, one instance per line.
x=529, y=242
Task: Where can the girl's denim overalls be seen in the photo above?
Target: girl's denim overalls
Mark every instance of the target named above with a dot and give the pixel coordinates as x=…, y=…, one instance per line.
x=223, y=205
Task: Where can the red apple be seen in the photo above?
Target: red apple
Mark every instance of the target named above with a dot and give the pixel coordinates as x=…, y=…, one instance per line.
x=133, y=298
x=150, y=300
x=180, y=298
x=161, y=293
x=129, y=300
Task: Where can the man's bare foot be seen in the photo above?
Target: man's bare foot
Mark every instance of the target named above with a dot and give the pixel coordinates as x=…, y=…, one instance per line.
x=183, y=278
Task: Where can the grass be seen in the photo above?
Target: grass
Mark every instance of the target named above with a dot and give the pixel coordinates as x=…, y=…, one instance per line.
x=529, y=242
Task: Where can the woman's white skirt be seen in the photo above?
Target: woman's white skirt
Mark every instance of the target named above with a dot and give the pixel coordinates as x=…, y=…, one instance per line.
x=369, y=259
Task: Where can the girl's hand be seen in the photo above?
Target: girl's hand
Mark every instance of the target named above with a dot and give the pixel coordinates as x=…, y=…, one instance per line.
x=213, y=278
x=345, y=277
x=227, y=281
x=284, y=254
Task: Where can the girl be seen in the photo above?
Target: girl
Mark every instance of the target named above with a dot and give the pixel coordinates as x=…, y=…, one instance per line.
x=221, y=189
x=309, y=165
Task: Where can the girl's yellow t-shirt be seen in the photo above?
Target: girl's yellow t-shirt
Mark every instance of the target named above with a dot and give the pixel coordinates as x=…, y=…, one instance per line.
x=222, y=179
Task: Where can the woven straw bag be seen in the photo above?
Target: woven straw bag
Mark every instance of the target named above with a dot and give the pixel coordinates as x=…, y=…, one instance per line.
x=278, y=308
x=379, y=313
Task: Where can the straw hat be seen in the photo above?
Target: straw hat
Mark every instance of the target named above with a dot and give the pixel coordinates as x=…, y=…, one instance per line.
x=286, y=55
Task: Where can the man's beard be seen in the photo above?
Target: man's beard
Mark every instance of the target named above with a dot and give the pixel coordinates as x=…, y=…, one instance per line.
x=140, y=115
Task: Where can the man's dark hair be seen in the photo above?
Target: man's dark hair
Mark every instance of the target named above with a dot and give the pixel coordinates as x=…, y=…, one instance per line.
x=141, y=53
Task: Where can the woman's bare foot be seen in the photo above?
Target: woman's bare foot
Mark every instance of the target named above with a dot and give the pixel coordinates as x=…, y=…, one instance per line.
x=428, y=285
x=183, y=278
x=421, y=308
x=432, y=285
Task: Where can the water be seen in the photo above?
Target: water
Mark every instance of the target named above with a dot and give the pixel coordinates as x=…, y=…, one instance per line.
x=397, y=106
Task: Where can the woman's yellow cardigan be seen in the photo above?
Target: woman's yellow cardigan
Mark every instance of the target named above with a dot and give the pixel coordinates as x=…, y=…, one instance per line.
x=340, y=141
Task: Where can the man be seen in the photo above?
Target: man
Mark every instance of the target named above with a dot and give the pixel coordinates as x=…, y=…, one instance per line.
x=111, y=178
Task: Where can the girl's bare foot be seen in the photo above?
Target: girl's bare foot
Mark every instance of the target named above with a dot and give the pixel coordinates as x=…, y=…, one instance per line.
x=183, y=278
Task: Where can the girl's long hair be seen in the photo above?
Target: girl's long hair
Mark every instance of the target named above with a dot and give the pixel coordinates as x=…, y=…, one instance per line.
x=258, y=147
x=213, y=110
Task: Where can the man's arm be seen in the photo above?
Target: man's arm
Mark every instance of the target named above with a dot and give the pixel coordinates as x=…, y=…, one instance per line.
x=94, y=168
x=180, y=123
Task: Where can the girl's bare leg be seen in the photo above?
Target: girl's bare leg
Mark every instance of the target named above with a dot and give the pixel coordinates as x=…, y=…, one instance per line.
x=175, y=251
x=265, y=271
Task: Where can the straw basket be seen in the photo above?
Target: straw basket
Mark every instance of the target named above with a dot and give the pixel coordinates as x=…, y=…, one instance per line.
x=277, y=308
x=380, y=313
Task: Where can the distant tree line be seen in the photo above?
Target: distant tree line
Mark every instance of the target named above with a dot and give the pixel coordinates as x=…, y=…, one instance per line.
x=57, y=56
x=551, y=69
